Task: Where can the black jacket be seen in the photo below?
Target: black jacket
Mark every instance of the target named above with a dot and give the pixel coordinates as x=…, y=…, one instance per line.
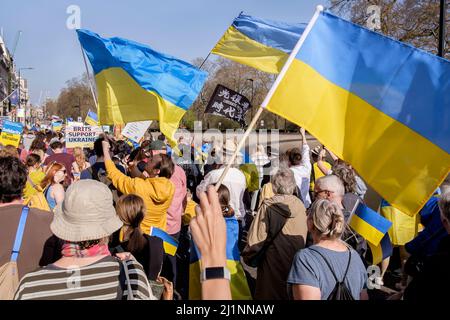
x=434, y=280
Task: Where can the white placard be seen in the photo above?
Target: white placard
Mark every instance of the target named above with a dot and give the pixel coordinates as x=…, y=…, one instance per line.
x=21, y=113
x=82, y=136
x=136, y=130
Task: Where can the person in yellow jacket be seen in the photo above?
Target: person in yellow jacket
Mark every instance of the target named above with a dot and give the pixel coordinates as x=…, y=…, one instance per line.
x=155, y=188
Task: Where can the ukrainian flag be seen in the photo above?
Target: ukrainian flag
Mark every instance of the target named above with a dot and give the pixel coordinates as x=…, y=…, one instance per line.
x=377, y=103
x=91, y=118
x=382, y=250
x=169, y=243
x=135, y=83
x=261, y=44
x=238, y=283
x=404, y=227
x=369, y=224
x=57, y=126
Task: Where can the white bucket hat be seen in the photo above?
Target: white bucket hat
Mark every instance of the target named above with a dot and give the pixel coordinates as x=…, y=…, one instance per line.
x=87, y=213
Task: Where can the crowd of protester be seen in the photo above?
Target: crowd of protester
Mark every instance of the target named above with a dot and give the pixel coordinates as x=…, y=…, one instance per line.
x=89, y=218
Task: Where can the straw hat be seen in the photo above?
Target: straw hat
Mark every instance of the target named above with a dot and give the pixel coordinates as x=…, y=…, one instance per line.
x=87, y=213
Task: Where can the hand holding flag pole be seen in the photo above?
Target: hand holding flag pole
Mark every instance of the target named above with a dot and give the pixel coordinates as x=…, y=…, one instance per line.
x=280, y=77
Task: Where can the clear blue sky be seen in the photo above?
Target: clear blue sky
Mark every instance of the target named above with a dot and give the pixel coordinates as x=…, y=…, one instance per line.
x=183, y=28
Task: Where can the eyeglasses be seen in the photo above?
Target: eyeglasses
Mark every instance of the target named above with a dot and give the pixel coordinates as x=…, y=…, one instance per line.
x=318, y=192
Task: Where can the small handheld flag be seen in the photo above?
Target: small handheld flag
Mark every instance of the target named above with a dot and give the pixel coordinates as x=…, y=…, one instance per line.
x=369, y=224
x=91, y=118
x=382, y=250
x=170, y=244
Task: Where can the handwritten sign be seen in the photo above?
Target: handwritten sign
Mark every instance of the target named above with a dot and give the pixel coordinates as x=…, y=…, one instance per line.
x=136, y=130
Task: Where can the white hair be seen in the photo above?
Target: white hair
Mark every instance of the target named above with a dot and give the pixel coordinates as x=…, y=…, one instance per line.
x=331, y=183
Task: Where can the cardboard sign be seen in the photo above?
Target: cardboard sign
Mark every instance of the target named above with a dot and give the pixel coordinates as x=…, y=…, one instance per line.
x=82, y=136
x=136, y=130
x=11, y=133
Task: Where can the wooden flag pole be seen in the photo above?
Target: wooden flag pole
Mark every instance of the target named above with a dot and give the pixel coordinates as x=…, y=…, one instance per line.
x=269, y=95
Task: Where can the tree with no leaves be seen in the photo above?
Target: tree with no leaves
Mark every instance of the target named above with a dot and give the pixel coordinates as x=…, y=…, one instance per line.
x=412, y=21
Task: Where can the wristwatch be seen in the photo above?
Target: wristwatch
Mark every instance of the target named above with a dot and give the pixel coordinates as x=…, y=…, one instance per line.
x=215, y=273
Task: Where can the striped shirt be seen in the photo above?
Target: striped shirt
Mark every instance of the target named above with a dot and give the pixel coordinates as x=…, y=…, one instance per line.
x=97, y=281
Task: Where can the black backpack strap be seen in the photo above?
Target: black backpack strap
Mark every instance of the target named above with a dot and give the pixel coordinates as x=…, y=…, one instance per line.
x=331, y=269
x=326, y=261
x=348, y=264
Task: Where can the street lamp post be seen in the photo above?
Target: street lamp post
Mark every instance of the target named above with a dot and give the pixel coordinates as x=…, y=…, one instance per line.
x=442, y=28
x=20, y=99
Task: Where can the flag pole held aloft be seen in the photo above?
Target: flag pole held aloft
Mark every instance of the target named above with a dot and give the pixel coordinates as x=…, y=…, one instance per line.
x=280, y=76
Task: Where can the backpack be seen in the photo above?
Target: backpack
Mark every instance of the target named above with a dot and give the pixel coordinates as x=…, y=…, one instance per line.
x=38, y=200
x=340, y=291
x=9, y=273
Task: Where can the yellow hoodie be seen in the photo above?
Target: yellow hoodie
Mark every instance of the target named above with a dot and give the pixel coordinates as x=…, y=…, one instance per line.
x=156, y=192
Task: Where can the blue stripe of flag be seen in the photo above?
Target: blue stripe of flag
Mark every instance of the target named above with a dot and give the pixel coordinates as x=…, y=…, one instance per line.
x=164, y=236
x=374, y=219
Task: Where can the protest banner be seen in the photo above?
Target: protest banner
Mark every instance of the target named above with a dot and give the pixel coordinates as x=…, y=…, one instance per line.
x=4, y=118
x=136, y=130
x=82, y=136
x=11, y=133
x=228, y=103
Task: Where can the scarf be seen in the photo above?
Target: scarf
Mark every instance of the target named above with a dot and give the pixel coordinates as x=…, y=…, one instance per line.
x=70, y=249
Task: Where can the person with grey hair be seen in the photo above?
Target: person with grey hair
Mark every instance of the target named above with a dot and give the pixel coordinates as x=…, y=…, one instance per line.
x=316, y=270
x=277, y=232
x=433, y=279
x=332, y=188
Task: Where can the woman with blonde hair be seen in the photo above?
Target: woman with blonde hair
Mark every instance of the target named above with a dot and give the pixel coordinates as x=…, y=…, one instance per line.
x=52, y=184
x=316, y=270
x=79, y=164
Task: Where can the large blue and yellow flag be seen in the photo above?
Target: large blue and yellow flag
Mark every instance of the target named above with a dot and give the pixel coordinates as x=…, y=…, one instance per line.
x=169, y=243
x=377, y=103
x=369, y=224
x=135, y=82
x=404, y=227
x=261, y=44
x=238, y=283
x=91, y=118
